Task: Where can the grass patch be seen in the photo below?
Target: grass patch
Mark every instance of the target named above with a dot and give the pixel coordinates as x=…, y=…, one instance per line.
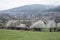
x=28, y=35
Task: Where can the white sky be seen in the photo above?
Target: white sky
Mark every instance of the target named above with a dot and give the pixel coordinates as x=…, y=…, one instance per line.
x=7, y=4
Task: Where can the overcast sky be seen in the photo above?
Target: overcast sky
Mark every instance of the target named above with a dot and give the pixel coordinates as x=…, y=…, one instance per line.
x=7, y=4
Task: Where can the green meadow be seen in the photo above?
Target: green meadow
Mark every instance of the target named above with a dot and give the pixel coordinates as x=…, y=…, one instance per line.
x=28, y=35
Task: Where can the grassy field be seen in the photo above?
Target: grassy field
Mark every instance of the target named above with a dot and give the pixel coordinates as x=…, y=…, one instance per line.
x=28, y=35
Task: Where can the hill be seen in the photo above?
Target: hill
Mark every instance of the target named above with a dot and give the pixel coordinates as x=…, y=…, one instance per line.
x=26, y=12
x=28, y=8
x=55, y=9
x=31, y=12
